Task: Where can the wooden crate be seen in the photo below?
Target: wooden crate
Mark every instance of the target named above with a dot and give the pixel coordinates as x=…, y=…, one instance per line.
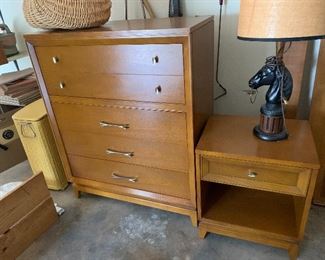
x=25, y=213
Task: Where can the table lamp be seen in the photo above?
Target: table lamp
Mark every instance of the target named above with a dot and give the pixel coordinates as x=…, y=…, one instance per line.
x=278, y=21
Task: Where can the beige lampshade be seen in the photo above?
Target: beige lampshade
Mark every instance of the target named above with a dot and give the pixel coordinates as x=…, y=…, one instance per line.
x=281, y=20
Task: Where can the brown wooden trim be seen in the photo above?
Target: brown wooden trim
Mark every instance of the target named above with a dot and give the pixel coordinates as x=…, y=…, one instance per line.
x=122, y=32
x=51, y=116
x=295, y=60
x=317, y=121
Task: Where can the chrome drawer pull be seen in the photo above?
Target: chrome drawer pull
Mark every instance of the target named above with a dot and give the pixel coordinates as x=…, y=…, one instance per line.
x=55, y=60
x=62, y=85
x=130, y=179
x=107, y=124
x=155, y=60
x=114, y=152
x=252, y=174
x=158, y=90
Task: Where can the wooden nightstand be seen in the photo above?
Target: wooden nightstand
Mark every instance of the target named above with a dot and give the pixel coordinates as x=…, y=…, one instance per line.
x=252, y=189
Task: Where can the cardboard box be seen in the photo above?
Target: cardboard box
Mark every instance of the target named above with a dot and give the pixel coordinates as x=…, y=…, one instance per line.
x=10, y=139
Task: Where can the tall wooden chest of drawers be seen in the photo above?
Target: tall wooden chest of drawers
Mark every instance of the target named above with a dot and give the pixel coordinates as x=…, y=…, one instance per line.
x=127, y=103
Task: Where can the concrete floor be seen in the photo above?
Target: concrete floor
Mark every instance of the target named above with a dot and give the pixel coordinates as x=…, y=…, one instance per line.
x=99, y=228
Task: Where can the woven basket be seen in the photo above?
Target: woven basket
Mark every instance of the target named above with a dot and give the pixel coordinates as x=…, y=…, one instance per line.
x=66, y=14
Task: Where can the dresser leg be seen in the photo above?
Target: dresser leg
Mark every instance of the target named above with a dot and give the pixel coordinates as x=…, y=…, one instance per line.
x=194, y=220
x=202, y=232
x=76, y=191
x=293, y=252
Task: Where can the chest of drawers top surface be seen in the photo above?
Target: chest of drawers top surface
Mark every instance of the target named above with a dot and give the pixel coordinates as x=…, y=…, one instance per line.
x=163, y=27
x=232, y=137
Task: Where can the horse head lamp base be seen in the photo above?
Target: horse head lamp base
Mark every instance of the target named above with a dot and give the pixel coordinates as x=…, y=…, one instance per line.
x=278, y=77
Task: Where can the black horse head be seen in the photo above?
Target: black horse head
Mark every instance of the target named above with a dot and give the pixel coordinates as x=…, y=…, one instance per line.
x=273, y=74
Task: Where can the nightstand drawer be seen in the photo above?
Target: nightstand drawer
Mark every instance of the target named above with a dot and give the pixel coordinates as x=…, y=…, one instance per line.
x=281, y=179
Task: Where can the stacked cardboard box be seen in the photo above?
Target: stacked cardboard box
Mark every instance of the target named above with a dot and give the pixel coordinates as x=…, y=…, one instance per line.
x=18, y=88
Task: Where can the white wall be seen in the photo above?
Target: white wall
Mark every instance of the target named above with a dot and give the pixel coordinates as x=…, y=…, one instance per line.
x=239, y=60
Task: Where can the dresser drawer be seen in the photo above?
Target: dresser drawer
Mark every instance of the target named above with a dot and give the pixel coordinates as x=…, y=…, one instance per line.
x=282, y=179
x=149, y=179
x=127, y=150
x=146, y=88
x=150, y=59
x=164, y=127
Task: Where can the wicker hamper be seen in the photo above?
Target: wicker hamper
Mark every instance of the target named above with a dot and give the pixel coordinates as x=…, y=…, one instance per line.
x=66, y=14
x=36, y=136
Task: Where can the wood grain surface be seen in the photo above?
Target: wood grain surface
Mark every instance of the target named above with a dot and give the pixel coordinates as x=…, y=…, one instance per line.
x=120, y=87
x=144, y=125
x=252, y=189
x=295, y=61
x=25, y=213
x=156, y=154
x=110, y=59
x=147, y=179
x=286, y=180
x=134, y=30
x=112, y=74
x=317, y=121
x=225, y=139
x=21, y=201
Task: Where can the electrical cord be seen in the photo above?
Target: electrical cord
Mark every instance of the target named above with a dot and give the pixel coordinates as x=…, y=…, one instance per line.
x=143, y=10
x=126, y=9
x=3, y=147
x=1, y=17
x=218, y=55
x=288, y=48
x=283, y=101
x=280, y=71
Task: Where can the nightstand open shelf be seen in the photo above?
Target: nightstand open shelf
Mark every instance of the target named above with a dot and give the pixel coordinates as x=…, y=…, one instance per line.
x=255, y=190
x=255, y=211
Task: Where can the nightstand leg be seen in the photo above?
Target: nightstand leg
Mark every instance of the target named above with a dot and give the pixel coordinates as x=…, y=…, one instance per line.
x=202, y=232
x=293, y=252
x=76, y=191
x=194, y=220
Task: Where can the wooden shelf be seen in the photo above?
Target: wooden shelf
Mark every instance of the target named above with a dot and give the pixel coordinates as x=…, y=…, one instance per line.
x=18, y=56
x=242, y=208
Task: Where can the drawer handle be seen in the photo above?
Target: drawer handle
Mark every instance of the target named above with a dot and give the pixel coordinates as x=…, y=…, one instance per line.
x=155, y=60
x=114, y=152
x=55, y=60
x=158, y=90
x=62, y=85
x=107, y=124
x=252, y=174
x=130, y=179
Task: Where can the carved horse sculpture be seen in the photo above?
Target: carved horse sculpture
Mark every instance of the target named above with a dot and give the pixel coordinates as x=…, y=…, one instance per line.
x=279, y=78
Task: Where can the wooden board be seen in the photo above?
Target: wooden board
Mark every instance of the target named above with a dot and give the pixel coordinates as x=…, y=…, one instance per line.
x=295, y=60
x=3, y=58
x=21, y=201
x=317, y=121
x=267, y=212
x=222, y=138
x=25, y=213
x=24, y=232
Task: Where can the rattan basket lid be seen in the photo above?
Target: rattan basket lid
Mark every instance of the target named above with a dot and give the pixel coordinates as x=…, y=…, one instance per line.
x=32, y=112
